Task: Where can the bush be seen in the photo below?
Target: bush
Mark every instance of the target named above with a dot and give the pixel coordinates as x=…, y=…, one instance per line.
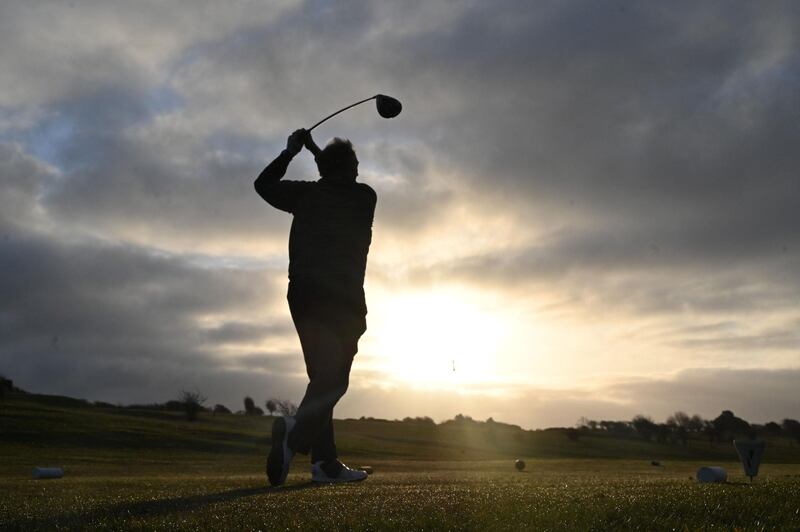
x=420, y=420
x=285, y=407
x=192, y=403
x=644, y=426
x=791, y=427
x=221, y=409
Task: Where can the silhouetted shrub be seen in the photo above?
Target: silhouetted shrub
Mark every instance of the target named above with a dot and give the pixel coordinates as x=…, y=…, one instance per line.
x=192, y=403
x=644, y=426
x=791, y=427
x=285, y=407
x=728, y=425
x=419, y=420
x=249, y=406
x=221, y=409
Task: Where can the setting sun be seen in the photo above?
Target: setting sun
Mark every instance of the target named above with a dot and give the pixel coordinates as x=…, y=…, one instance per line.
x=440, y=339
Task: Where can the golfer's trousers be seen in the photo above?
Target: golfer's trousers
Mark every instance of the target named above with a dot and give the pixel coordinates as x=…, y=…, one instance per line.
x=329, y=328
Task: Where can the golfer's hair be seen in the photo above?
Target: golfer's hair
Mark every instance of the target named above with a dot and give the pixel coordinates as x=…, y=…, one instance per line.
x=337, y=154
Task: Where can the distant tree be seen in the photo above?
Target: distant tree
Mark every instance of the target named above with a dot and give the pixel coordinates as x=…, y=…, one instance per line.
x=221, y=409
x=249, y=405
x=617, y=427
x=271, y=406
x=680, y=424
x=682, y=434
x=573, y=434
x=663, y=432
x=791, y=427
x=679, y=419
x=772, y=428
x=711, y=431
x=285, y=407
x=192, y=403
x=695, y=424
x=644, y=426
x=727, y=424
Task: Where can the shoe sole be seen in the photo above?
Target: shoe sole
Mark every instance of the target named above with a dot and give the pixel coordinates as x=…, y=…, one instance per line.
x=328, y=480
x=275, y=472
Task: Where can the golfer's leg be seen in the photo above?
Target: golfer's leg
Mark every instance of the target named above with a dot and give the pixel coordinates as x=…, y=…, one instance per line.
x=322, y=351
x=323, y=447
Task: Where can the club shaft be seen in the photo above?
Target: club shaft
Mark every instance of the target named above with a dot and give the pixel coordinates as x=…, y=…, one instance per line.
x=343, y=109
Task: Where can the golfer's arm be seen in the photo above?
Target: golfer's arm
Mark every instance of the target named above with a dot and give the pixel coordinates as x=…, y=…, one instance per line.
x=273, y=173
x=312, y=146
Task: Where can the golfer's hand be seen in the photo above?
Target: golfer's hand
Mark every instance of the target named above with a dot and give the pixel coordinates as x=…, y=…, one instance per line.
x=295, y=141
x=310, y=144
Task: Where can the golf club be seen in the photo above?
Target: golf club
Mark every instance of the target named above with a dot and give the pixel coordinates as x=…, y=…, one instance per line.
x=387, y=106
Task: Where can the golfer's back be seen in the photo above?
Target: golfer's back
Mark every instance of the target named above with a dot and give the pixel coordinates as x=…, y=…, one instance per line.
x=331, y=233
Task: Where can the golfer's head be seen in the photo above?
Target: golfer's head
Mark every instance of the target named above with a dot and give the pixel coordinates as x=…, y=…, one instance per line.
x=338, y=161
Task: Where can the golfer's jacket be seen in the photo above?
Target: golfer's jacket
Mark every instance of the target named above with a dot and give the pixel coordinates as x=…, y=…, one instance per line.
x=331, y=231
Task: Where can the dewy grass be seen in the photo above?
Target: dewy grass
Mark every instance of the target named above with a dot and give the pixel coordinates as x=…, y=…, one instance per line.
x=153, y=470
x=431, y=496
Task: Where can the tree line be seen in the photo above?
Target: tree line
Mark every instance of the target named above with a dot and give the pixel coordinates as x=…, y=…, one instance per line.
x=194, y=402
x=680, y=427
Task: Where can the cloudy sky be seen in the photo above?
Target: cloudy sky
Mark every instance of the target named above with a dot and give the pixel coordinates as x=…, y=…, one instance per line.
x=585, y=208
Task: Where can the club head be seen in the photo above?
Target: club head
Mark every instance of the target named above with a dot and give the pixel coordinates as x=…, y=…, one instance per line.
x=388, y=107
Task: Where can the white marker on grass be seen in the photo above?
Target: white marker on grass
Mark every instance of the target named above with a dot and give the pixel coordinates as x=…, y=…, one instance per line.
x=712, y=474
x=41, y=473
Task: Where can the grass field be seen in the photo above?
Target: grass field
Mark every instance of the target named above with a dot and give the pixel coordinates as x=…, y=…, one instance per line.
x=152, y=470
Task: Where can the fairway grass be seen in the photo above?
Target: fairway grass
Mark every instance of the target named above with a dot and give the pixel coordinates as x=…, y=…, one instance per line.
x=411, y=495
x=130, y=469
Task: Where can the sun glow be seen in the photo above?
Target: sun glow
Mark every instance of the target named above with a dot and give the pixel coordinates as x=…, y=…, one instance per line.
x=442, y=339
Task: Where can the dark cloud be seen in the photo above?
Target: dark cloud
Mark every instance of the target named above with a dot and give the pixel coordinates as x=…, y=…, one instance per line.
x=242, y=331
x=116, y=322
x=277, y=364
x=22, y=179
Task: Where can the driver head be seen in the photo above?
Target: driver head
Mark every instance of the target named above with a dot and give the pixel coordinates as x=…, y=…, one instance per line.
x=338, y=161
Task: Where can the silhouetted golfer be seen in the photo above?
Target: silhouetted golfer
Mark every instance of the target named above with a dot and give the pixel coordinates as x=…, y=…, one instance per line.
x=328, y=245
